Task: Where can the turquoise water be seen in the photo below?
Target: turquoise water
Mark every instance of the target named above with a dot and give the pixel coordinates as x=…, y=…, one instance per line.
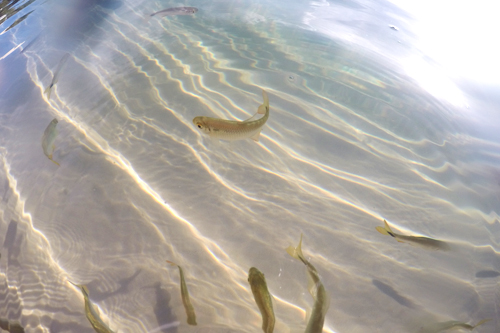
x=363, y=127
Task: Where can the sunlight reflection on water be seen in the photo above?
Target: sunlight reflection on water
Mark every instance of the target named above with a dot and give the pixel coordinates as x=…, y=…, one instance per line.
x=363, y=127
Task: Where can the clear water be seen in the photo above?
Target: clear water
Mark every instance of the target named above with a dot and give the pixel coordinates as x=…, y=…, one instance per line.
x=355, y=136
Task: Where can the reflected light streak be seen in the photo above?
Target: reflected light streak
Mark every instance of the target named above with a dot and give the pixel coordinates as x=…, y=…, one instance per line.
x=12, y=50
x=26, y=216
x=320, y=190
x=166, y=326
x=295, y=180
x=179, y=63
x=219, y=178
x=97, y=141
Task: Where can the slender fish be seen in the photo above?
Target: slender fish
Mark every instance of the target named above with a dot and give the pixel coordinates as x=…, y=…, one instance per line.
x=92, y=313
x=56, y=74
x=191, y=316
x=233, y=129
x=48, y=138
x=175, y=11
x=425, y=242
x=448, y=325
x=262, y=298
x=316, y=289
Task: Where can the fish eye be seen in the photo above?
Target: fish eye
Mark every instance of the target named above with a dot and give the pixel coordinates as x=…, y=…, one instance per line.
x=199, y=125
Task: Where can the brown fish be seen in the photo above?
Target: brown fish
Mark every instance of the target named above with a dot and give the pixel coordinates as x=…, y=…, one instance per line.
x=191, y=316
x=425, y=242
x=263, y=298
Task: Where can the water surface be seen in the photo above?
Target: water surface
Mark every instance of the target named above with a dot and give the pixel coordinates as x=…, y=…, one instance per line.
x=355, y=136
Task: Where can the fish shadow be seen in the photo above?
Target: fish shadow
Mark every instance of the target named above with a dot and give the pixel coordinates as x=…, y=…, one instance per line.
x=162, y=310
x=100, y=296
x=57, y=326
x=392, y=293
x=487, y=274
x=10, y=235
x=12, y=243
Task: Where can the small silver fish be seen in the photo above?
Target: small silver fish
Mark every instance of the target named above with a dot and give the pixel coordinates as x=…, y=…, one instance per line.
x=48, y=138
x=55, y=78
x=233, y=129
x=448, y=325
x=175, y=11
x=191, y=316
x=425, y=242
x=263, y=298
x=316, y=289
x=91, y=313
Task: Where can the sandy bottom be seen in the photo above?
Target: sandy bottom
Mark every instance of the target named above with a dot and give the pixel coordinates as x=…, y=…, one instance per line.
x=351, y=140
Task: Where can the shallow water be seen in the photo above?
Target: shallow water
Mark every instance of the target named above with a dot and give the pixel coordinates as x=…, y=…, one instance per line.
x=354, y=137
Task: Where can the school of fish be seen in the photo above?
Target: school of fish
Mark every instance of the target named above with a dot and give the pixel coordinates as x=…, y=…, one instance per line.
x=231, y=130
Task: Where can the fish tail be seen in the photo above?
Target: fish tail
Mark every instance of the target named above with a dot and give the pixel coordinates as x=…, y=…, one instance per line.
x=481, y=322
x=47, y=91
x=388, y=228
x=296, y=252
x=148, y=17
x=172, y=263
x=83, y=287
x=54, y=162
x=265, y=106
x=385, y=230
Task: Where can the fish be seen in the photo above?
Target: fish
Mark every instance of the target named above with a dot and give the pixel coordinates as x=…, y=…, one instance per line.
x=55, y=78
x=425, y=242
x=452, y=324
x=263, y=298
x=191, y=316
x=48, y=138
x=91, y=312
x=233, y=129
x=316, y=289
x=175, y=11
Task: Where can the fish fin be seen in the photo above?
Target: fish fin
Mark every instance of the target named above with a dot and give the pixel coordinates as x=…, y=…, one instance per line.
x=382, y=230
x=147, y=17
x=311, y=286
x=388, y=228
x=251, y=118
x=255, y=137
x=171, y=263
x=264, y=107
x=481, y=322
x=215, y=141
x=296, y=252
